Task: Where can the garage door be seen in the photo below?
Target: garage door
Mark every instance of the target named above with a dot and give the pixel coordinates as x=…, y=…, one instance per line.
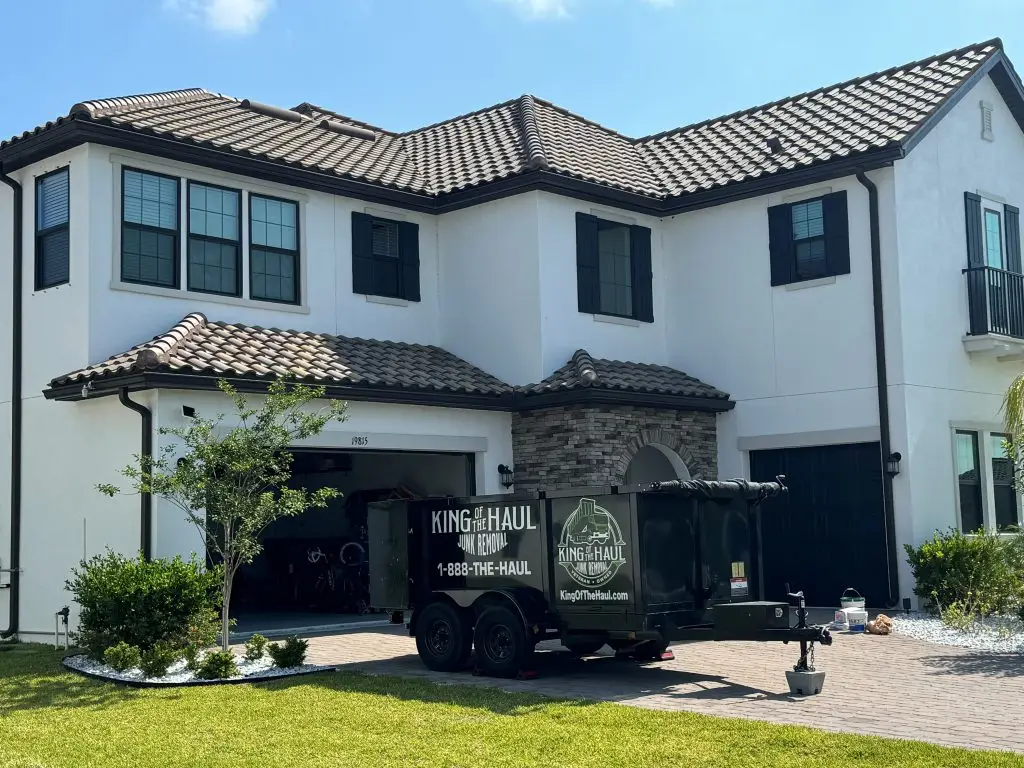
x=828, y=532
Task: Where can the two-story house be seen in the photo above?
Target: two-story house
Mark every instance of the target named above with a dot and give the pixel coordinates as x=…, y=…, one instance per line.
x=827, y=287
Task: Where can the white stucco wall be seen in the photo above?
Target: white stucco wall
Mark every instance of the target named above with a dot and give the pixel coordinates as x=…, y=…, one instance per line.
x=120, y=316
x=941, y=384
x=491, y=287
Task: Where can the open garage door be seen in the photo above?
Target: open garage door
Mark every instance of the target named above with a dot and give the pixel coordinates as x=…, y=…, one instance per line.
x=828, y=532
x=314, y=568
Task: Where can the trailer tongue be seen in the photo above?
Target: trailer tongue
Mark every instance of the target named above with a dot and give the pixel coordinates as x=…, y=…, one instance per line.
x=634, y=568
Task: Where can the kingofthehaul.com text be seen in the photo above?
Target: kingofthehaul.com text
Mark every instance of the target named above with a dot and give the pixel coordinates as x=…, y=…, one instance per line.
x=579, y=595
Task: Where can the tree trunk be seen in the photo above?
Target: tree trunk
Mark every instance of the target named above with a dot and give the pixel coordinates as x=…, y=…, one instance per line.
x=225, y=611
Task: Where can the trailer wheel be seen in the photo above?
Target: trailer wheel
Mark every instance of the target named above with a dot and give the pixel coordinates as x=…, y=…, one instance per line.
x=501, y=643
x=442, y=638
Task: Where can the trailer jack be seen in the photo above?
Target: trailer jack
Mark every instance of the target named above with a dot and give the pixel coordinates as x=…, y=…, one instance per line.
x=805, y=679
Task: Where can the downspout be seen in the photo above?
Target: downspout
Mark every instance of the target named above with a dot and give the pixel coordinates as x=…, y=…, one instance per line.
x=146, y=522
x=885, y=439
x=17, y=268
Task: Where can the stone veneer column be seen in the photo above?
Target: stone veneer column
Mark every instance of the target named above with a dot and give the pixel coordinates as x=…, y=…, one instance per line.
x=567, y=446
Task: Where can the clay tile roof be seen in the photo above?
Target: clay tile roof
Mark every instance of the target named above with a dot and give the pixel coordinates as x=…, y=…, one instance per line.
x=586, y=372
x=200, y=347
x=875, y=112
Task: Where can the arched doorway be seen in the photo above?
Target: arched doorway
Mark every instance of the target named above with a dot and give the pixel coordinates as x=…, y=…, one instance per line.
x=655, y=462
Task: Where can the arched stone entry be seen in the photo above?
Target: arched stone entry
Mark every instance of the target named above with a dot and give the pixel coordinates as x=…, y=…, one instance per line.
x=655, y=462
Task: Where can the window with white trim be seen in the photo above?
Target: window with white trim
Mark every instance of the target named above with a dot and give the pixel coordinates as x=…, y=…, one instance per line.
x=987, y=494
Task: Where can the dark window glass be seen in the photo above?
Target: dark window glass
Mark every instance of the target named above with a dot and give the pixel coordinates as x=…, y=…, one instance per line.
x=615, y=274
x=969, y=479
x=273, y=249
x=387, y=272
x=1007, y=512
x=214, y=239
x=809, y=239
x=53, y=238
x=149, y=228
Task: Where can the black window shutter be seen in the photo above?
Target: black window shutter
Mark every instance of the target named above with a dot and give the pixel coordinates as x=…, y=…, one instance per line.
x=837, y=233
x=1012, y=216
x=780, y=244
x=975, y=249
x=362, y=253
x=640, y=259
x=409, y=255
x=587, y=271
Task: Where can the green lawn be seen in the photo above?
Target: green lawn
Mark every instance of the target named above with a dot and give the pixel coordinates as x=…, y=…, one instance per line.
x=50, y=717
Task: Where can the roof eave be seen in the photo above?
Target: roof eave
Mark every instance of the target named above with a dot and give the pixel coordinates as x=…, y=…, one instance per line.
x=585, y=396
x=104, y=386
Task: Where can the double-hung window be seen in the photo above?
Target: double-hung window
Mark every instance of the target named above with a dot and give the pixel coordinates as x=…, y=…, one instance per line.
x=214, y=239
x=987, y=493
x=613, y=269
x=273, y=249
x=53, y=237
x=809, y=239
x=149, y=228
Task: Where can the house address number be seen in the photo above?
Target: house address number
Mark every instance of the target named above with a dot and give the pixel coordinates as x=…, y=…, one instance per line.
x=360, y=440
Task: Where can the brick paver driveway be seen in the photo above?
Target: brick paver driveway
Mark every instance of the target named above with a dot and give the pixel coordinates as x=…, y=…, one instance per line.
x=889, y=686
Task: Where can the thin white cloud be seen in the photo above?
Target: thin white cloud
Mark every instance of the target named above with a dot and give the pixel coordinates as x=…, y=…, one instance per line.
x=233, y=17
x=562, y=9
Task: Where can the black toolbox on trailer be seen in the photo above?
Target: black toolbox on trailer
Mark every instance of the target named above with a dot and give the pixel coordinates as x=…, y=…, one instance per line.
x=634, y=568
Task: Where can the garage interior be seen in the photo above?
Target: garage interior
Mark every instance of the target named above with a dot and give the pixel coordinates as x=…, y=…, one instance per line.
x=313, y=570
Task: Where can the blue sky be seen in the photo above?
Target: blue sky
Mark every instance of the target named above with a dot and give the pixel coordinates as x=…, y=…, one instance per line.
x=638, y=66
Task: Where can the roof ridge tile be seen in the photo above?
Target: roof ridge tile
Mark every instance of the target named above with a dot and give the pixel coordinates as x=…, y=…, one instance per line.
x=93, y=107
x=532, y=141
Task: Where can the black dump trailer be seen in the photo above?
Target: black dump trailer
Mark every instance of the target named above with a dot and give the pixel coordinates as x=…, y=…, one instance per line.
x=634, y=568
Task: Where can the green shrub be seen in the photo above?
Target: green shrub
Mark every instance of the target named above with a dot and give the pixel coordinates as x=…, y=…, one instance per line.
x=157, y=660
x=144, y=603
x=123, y=657
x=291, y=654
x=967, y=576
x=217, y=665
x=254, y=647
x=190, y=654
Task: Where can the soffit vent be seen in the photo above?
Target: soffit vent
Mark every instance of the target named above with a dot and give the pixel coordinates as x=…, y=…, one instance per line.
x=272, y=111
x=347, y=130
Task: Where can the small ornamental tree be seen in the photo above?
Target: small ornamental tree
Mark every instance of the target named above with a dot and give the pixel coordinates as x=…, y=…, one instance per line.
x=231, y=484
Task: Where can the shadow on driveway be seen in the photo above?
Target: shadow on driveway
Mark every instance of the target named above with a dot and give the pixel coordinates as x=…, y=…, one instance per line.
x=984, y=664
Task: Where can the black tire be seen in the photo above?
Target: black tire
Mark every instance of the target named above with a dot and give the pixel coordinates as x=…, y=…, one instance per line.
x=502, y=647
x=584, y=647
x=442, y=638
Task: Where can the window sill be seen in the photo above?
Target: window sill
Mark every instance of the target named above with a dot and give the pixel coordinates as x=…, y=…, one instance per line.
x=830, y=280
x=388, y=300
x=614, y=320
x=234, y=301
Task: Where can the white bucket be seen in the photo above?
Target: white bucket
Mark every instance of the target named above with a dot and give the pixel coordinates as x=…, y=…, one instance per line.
x=856, y=618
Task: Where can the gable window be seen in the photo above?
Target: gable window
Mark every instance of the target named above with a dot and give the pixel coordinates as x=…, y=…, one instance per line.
x=53, y=237
x=214, y=239
x=988, y=497
x=385, y=257
x=613, y=269
x=273, y=249
x=149, y=228
x=809, y=239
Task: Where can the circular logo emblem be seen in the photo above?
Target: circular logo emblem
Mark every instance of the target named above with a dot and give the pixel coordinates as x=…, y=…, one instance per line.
x=591, y=547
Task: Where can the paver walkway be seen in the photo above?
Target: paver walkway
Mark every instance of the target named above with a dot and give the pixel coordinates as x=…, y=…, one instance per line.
x=888, y=686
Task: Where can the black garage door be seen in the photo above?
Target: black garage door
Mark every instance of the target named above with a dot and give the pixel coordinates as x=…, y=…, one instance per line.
x=828, y=532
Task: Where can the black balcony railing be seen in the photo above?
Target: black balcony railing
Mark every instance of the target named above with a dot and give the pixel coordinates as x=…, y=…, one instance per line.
x=995, y=300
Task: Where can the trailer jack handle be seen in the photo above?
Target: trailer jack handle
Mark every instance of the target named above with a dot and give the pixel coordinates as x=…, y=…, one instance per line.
x=806, y=662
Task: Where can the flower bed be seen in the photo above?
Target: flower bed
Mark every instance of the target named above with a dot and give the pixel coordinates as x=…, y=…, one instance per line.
x=990, y=635
x=179, y=674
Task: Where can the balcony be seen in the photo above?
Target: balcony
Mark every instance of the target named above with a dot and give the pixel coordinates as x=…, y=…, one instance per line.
x=995, y=299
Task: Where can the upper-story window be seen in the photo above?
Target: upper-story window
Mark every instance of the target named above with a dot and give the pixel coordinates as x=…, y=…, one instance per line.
x=809, y=239
x=214, y=239
x=993, y=267
x=214, y=257
x=149, y=228
x=613, y=268
x=273, y=249
x=994, y=256
x=385, y=257
x=53, y=238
